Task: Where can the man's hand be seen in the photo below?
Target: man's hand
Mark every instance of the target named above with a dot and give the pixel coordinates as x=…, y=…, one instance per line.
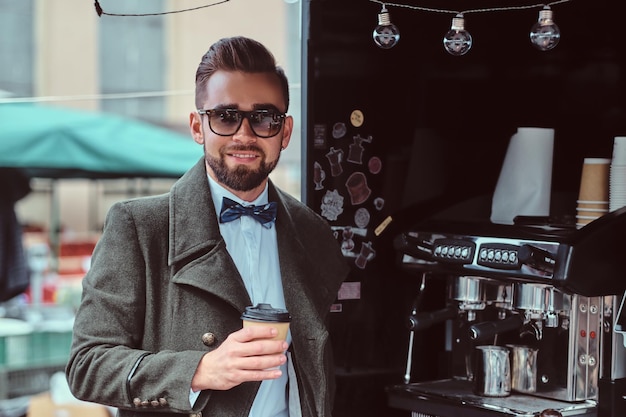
x=245, y=355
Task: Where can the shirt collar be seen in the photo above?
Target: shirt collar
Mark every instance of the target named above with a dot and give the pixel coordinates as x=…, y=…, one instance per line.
x=218, y=192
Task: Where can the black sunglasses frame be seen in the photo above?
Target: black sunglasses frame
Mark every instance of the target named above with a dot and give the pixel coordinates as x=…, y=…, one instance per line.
x=241, y=114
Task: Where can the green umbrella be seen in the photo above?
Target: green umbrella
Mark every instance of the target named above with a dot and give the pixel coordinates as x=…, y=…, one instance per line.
x=53, y=142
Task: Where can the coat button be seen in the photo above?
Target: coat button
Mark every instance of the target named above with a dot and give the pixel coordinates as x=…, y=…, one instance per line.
x=209, y=340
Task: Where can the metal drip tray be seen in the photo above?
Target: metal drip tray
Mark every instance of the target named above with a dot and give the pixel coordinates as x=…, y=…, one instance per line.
x=450, y=397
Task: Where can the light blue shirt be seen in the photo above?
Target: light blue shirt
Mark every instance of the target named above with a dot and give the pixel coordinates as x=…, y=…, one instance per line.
x=256, y=258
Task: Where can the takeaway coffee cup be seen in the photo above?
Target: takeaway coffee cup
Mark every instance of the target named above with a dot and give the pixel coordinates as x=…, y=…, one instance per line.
x=594, y=183
x=266, y=315
x=492, y=372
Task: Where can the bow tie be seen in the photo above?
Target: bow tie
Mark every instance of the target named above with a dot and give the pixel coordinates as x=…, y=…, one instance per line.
x=231, y=210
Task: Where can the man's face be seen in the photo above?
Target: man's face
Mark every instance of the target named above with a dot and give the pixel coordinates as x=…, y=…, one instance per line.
x=242, y=161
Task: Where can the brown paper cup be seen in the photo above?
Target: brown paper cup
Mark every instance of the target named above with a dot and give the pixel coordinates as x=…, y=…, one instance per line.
x=594, y=181
x=266, y=315
x=283, y=328
x=590, y=205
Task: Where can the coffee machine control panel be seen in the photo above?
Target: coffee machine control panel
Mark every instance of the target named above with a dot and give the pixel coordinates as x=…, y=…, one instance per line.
x=499, y=255
x=454, y=251
x=485, y=255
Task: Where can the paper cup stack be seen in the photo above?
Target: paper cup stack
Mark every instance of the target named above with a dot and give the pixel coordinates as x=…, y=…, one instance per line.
x=593, y=196
x=617, y=180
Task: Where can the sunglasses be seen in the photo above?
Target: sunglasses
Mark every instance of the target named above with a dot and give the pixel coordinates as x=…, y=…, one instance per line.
x=226, y=122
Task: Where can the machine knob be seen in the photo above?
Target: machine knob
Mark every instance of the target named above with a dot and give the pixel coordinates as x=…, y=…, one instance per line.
x=537, y=258
x=424, y=320
x=489, y=329
x=413, y=246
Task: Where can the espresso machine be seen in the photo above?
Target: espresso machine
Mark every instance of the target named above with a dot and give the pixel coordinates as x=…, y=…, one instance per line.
x=549, y=290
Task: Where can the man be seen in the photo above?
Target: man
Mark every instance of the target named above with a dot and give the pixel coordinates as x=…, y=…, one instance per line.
x=159, y=328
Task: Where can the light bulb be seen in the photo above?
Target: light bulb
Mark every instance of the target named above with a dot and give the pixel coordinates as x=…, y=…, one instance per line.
x=386, y=34
x=457, y=40
x=544, y=34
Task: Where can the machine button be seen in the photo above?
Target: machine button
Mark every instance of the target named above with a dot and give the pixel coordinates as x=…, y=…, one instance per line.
x=498, y=255
x=453, y=251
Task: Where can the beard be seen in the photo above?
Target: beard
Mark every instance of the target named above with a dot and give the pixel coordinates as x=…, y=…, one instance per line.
x=240, y=178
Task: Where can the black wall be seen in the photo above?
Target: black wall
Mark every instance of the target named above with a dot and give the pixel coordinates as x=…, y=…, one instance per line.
x=440, y=125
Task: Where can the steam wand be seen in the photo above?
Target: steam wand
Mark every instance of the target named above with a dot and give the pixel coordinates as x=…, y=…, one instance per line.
x=416, y=303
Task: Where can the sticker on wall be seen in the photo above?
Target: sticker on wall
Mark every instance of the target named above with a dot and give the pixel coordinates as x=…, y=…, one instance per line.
x=375, y=165
x=355, y=154
x=319, y=175
x=335, y=157
x=349, y=290
x=348, y=239
x=367, y=254
x=336, y=308
x=357, y=188
x=357, y=118
x=319, y=136
x=339, y=130
x=379, y=203
x=362, y=217
x=332, y=205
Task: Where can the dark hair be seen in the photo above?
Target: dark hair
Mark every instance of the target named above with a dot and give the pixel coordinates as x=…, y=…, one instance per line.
x=237, y=54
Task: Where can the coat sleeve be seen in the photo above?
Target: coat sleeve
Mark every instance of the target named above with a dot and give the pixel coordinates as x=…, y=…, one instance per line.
x=111, y=360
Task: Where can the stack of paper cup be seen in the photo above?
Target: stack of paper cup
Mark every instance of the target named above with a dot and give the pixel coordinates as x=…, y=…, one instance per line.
x=593, y=196
x=617, y=179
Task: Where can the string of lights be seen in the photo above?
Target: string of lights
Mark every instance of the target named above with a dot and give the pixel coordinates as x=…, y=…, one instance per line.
x=101, y=12
x=544, y=34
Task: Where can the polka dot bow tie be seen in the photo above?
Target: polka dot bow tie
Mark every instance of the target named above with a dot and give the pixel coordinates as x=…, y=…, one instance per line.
x=231, y=210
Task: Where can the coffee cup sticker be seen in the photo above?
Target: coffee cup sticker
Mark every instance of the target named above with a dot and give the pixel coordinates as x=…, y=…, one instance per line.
x=339, y=130
x=357, y=188
x=357, y=118
x=319, y=175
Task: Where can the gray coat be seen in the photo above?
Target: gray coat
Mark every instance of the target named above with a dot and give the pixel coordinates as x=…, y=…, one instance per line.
x=161, y=279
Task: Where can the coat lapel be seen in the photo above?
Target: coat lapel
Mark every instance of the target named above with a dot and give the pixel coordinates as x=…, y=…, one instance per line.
x=197, y=254
x=303, y=290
